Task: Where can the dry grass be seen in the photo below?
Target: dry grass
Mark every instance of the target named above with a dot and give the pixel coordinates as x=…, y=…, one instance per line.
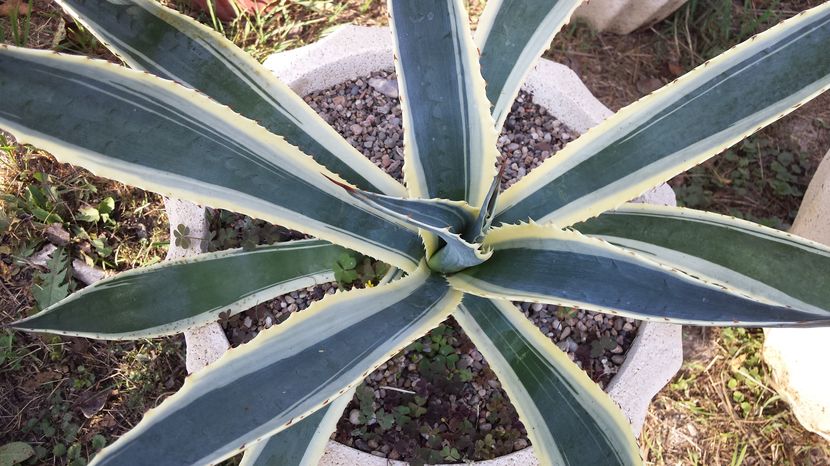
x=721, y=409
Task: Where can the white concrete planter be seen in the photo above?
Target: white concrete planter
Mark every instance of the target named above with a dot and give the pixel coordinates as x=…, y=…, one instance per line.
x=624, y=16
x=352, y=52
x=793, y=354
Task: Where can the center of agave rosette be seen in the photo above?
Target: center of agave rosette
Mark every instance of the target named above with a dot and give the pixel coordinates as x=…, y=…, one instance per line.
x=452, y=231
x=462, y=248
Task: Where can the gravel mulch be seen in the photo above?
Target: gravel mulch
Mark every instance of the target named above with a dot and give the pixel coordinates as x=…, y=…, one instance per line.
x=438, y=400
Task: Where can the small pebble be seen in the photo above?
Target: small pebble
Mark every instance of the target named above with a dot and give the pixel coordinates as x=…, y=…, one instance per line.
x=387, y=87
x=354, y=416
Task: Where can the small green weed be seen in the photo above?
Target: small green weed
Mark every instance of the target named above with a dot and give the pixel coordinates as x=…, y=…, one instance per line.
x=9, y=355
x=80, y=40
x=353, y=268
x=601, y=345
x=19, y=26
x=182, y=236
x=428, y=419
x=437, y=356
x=756, y=179
x=53, y=285
x=60, y=429
x=41, y=200
x=100, y=213
x=564, y=313
x=746, y=384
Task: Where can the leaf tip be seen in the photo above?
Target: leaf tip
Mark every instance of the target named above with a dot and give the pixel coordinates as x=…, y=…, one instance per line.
x=348, y=188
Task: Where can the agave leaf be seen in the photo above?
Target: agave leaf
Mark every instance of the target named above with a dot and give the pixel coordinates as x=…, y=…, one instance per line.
x=302, y=444
x=423, y=213
x=761, y=262
x=699, y=115
x=478, y=228
x=287, y=372
x=163, y=42
x=511, y=36
x=569, y=419
x=456, y=254
x=450, y=150
x=544, y=264
x=167, y=298
x=159, y=136
x=440, y=221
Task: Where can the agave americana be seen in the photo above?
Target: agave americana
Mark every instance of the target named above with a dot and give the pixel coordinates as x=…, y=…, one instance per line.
x=198, y=119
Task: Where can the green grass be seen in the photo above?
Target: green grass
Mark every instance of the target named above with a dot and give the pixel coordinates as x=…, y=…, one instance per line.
x=703, y=29
x=760, y=179
x=284, y=25
x=19, y=27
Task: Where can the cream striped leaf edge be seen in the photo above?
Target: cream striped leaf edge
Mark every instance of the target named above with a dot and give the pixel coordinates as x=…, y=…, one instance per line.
x=544, y=264
x=767, y=264
x=302, y=444
x=157, y=135
x=170, y=297
x=679, y=126
x=569, y=419
x=450, y=150
x=287, y=372
x=512, y=35
x=163, y=42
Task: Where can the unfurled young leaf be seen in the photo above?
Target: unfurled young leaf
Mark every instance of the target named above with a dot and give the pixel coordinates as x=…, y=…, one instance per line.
x=53, y=285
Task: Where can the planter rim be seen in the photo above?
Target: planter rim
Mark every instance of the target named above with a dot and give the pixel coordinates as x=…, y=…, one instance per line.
x=351, y=52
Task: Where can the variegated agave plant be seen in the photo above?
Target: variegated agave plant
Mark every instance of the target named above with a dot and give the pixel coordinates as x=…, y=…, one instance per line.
x=554, y=238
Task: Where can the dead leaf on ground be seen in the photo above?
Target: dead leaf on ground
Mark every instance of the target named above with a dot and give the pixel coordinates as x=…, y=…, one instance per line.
x=649, y=85
x=107, y=421
x=92, y=402
x=11, y=6
x=79, y=345
x=675, y=69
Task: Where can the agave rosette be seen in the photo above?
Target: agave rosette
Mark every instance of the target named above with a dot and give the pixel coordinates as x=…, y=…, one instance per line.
x=563, y=235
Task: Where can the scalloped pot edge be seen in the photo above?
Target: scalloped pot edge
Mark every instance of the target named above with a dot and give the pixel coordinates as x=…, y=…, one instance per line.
x=356, y=51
